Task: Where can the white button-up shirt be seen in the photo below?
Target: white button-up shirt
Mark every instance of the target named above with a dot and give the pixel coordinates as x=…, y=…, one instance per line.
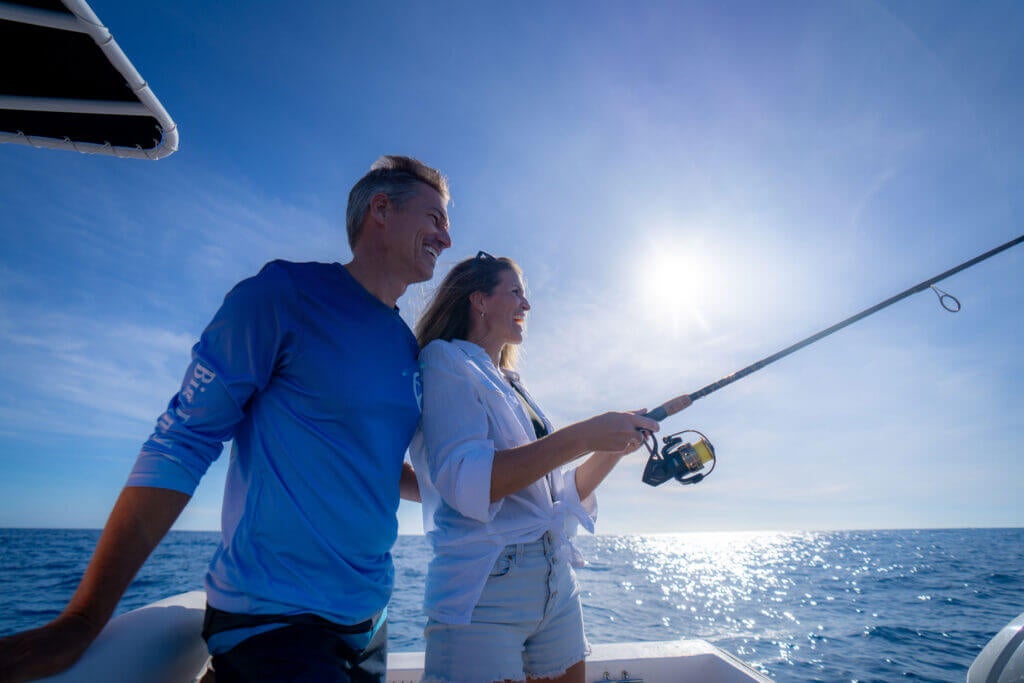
x=470, y=410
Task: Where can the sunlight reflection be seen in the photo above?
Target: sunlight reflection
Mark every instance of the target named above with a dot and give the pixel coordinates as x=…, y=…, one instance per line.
x=778, y=598
x=715, y=578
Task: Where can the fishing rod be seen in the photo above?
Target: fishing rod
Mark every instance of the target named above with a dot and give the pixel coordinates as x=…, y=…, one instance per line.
x=689, y=463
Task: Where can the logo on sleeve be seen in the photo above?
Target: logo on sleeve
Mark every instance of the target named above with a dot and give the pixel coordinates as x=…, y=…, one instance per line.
x=201, y=376
x=417, y=389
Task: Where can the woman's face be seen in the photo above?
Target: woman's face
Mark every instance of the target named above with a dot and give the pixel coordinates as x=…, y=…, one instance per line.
x=505, y=309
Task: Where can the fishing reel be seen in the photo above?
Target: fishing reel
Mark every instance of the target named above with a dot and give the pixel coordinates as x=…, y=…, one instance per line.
x=687, y=463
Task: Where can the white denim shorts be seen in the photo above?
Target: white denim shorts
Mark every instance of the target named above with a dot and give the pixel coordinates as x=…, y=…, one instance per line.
x=528, y=622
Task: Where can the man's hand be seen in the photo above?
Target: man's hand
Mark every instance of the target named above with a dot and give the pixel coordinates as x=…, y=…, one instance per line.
x=45, y=651
x=140, y=519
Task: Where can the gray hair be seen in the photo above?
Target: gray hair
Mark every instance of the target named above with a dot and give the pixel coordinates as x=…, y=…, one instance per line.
x=395, y=176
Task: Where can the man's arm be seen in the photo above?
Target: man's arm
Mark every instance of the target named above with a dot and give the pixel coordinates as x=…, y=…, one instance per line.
x=407, y=484
x=235, y=357
x=140, y=519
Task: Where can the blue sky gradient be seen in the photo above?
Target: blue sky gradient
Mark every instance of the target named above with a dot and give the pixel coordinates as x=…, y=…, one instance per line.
x=689, y=187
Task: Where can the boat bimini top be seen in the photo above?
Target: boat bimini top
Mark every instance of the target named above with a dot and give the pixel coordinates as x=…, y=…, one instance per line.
x=66, y=84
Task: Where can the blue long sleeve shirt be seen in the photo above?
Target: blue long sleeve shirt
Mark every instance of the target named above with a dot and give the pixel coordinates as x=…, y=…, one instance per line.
x=316, y=381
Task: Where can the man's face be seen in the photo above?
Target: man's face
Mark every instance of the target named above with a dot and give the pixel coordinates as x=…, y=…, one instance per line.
x=418, y=233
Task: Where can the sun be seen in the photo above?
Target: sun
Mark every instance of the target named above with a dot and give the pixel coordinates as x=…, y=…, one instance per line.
x=675, y=281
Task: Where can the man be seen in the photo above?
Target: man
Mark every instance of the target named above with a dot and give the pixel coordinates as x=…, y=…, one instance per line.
x=310, y=370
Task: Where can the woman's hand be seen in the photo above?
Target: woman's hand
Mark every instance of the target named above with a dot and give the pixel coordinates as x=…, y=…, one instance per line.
x=590, y=474
x=516, y=468
x=617, y=433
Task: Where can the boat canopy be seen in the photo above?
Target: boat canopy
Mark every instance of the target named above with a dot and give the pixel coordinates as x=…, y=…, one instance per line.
x=66, y=84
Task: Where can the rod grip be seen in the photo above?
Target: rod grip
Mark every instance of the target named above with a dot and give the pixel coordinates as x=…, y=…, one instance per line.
x=670, y=407
x=658, y=413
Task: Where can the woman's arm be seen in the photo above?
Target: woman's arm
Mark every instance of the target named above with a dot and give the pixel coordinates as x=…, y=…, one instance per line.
x=516, y=468
x=460, y=456
x=590, y=474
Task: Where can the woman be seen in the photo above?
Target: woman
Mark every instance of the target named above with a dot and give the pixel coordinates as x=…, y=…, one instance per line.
x=501, y=596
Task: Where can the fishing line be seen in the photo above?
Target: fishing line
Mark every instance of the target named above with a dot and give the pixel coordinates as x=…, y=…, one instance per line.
x=675, y=459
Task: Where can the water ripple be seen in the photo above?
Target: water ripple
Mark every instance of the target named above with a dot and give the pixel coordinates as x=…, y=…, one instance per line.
x=801, y=607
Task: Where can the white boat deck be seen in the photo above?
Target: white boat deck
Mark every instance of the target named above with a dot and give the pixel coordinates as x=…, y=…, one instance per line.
x=160, y=643
x=652, y=662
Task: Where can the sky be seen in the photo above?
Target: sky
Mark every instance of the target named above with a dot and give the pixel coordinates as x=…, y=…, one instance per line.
x=689, y=187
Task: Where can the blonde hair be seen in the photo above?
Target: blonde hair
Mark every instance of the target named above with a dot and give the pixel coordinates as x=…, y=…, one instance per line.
x=447, y=315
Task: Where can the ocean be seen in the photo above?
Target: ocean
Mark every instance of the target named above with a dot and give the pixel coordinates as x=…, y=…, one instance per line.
x=798, y=606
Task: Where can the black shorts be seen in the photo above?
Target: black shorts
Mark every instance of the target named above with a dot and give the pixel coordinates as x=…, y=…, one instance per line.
x=303, y=653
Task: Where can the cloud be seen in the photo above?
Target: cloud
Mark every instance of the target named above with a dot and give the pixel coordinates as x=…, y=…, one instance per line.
x=66, y=374
x=98, y=318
